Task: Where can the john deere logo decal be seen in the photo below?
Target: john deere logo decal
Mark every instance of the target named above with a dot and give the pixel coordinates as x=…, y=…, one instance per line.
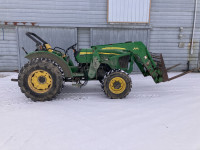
x=135, y=48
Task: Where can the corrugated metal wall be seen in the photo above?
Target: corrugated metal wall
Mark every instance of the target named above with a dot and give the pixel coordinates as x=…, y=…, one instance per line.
x=60, y=37
x=197, y=31
x=173, y=13
x=166, y=41
x=128, y=11
x=54, y=12
x=83, y=38
x=92, y=12
x=8, y=49
x=172, y=22
x=113, y=35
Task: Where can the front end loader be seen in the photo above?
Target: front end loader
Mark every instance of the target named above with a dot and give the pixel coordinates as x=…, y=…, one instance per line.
x=43, y=77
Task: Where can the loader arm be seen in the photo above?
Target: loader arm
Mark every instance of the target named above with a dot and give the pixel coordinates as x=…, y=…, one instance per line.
x=146, y=63
x=152, y=63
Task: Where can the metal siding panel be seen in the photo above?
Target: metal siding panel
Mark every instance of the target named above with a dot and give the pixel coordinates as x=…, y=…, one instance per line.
x=166, y=18
x=119, y=11
x=165, y=40
x=172, y=13
x=83, y=38
x=129, y=7
x=60, y=37
x=8, y=49
x=113, y=35
x=64, y=12
x=94, y=12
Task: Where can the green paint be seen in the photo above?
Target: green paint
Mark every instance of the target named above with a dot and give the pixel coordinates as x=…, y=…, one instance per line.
x=110, y=55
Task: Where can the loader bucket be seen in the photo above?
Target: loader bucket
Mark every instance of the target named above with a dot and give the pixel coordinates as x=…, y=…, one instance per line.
x=158, y=59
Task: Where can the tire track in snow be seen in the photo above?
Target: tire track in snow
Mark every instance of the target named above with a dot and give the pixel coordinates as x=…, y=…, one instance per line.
x=7, y=140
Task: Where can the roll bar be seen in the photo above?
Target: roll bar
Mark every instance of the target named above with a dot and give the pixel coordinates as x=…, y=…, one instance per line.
x=38, y=40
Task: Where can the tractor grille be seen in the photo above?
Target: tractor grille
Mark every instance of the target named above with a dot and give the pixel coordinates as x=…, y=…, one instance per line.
x=123, y=61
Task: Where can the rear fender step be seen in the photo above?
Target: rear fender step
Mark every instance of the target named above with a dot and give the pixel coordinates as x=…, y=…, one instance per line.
x=15, y=80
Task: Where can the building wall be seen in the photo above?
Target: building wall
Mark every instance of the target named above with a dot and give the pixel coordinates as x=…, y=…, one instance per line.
x=8, y=49
x=55, y=12
x=172, y=22
x=169, y=31
x=83, y=38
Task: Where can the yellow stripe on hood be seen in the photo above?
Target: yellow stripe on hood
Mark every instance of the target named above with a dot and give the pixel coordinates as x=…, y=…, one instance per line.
x=121, y=48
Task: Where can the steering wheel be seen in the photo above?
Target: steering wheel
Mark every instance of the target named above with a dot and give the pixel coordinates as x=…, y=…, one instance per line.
x=72, y=47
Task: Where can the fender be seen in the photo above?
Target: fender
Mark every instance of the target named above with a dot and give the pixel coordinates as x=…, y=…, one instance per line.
x=59, y=60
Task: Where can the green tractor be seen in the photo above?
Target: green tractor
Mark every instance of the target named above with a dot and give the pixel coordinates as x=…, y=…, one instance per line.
x=43, y=77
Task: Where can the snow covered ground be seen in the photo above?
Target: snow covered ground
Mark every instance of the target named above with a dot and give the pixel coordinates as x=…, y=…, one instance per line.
x=165, y=116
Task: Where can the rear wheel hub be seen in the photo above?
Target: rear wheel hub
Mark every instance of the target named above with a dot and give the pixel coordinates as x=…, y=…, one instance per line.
x=40, y=81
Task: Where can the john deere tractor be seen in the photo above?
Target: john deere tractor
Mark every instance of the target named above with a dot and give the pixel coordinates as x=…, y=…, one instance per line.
x=43, y=77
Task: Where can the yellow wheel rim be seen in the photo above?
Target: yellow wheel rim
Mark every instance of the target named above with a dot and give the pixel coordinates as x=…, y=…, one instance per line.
x=117, y=85
x=40, y=81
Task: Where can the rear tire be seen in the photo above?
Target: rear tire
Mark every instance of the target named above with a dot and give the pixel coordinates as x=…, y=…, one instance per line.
x=117, y=84
x=40, y=79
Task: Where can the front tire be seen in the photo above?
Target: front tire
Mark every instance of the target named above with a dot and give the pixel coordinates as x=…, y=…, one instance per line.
x=117, y=84
x=40, y=79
